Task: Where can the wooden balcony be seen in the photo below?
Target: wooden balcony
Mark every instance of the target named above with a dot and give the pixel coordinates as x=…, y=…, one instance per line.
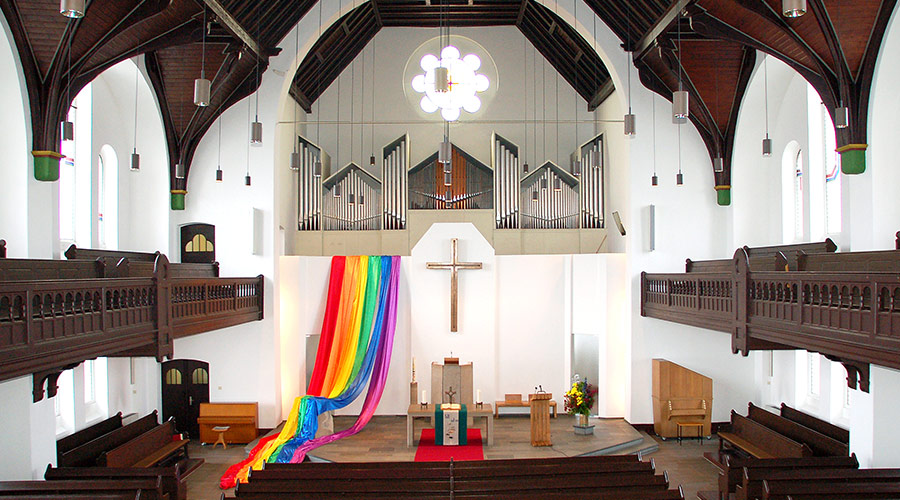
x=843, y=305
x=56, y=314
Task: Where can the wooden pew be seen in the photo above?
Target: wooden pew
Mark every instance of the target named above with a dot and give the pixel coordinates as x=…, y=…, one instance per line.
x=149, y=489
x=56, y=270
x=89, y=453
x=827, y=490
x=515, y=401
x=174, y=478
x=75, y=253
x=152, y=448
x=752, y=482
x=769, y=258
x=241, y=418
x=820, y=444
x=759, y=441
x=827, y=428
x=732, y=468
x=884, y=261
x=85, y=435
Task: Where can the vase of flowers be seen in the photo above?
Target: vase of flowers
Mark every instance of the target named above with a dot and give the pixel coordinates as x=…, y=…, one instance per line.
x=578, y=401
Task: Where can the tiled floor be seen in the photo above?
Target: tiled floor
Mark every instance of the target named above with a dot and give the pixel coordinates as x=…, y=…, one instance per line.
x=384, y=439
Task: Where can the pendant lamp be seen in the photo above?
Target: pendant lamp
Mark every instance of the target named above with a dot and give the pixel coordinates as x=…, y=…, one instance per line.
x=718, y=164
x=680, y=99
x=73, y=9
x=766, y=143
x=295, y=161
x=793, y=8
x=841, y=116
x=135, y=157
x=179, y=171
x=202, y=86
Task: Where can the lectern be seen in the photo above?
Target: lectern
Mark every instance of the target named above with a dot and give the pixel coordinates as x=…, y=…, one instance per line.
x=540, y=419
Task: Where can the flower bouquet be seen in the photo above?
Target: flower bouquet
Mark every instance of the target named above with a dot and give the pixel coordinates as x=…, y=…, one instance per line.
x=579, y=400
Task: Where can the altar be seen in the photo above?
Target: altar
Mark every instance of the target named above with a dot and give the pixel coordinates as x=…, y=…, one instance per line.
x=419, y=411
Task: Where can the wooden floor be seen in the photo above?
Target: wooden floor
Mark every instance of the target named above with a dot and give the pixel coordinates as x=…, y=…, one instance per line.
x=384, y=439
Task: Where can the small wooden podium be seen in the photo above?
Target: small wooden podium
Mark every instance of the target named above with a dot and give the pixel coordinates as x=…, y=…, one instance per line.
x=540, y=419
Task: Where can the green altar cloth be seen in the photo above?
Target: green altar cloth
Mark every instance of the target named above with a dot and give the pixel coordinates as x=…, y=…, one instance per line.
x=450, y=426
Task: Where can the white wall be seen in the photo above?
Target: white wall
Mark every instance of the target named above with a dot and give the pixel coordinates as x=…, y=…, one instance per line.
x=14, y=142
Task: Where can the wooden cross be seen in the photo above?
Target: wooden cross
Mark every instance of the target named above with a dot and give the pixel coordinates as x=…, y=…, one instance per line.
x=454, y=266
x=450, y=394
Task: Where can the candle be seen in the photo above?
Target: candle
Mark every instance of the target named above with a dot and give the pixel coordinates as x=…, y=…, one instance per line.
x=424, y=399
x=478, y=396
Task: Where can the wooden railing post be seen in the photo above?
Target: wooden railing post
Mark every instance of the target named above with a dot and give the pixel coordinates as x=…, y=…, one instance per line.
x=261, y=287
x=3, y=249
x=740, y=284
x=643, y=292
x=163, y=319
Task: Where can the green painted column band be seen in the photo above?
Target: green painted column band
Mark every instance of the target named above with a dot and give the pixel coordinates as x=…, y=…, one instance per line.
x=853, y=161
x=178, y=200
x=46, y=166
x=723, y=196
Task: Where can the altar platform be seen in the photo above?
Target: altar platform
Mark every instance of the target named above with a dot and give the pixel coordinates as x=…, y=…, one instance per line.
x=384, y=440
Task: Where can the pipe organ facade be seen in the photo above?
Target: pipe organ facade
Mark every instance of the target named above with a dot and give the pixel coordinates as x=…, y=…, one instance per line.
x=592, y=202
x=310, y=186
x=548, y=197
x=395, y=179
x=505, y=156
x=352, y=200
x=551, y=199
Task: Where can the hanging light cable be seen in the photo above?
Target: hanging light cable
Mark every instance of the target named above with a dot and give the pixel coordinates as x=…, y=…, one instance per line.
x=135, y=157
x=442, y=84
x=576, y=163
x=256, y=129
x=317, y=168
x=719, y=160
x=295, y=155
x=630, y=121
x=202, y=86
x=372, y=157
x=594, y=153
x=766, y=143
x=250, y=131
x=654, y=180
x=219, y=160
x=67, y=128
x=680, y=99
x=841, y=113
x=679, y=179
x=525, y=123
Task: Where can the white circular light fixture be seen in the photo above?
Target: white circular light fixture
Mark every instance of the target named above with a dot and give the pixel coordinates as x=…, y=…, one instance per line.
x=464, y=83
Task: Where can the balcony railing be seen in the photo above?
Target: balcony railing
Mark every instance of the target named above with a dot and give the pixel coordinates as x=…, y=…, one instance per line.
x=850, y=314
x=47, y=325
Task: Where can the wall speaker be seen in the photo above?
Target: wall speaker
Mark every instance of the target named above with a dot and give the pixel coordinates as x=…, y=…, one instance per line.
x=652, y=227
x=256, y=224
x=619, y=222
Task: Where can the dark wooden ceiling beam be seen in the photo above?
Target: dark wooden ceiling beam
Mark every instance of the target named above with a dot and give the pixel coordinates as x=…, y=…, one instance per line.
x=661, y=25
x=234, y=27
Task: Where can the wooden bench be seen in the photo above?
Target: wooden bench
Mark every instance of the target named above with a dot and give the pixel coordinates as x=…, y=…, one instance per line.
x=731, y=469
x=827, y=428
x=157, y=446
x=241, y=418
x=827, y=490
x=768, y=258
x=820, y=444
x=174, y=478
x=752, y=482
x=759, y=441
x=88, y=454
x=515, y=401
x=149, y=489
x=70, y=442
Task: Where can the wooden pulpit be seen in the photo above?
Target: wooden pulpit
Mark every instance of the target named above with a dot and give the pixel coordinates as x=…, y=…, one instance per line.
x=540, y=419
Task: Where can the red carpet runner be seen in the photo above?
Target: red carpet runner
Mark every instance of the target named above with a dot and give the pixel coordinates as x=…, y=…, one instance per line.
x=429, y=452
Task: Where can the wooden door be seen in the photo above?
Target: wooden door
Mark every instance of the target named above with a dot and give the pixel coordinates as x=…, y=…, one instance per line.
x=185, y=384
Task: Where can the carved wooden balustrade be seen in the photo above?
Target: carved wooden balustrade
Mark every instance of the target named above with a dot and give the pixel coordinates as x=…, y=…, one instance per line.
x=51, y=323
x=850, y=314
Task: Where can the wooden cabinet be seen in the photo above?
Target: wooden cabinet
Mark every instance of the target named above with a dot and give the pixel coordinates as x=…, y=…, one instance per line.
x=680, y=395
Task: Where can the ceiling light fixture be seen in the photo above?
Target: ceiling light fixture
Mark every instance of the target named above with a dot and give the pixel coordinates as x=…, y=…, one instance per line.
x=793, y=8
x=256, y=129
x=202, y=86
x=630, y=120
x=680, y=98
x=73, y=9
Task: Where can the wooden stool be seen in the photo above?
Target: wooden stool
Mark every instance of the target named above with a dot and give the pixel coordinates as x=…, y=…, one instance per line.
x=680, y=426
x=221, y=429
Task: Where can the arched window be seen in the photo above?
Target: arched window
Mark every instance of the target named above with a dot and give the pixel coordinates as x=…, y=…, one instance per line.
x=792, y=193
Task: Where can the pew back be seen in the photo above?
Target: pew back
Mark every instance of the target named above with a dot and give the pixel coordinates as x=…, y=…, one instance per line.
x=752, y=483
x=820, y=444
x=134, y=452
x=732, y=475
x=37, y=269
x=75, y=253
x=886, y=261
x=83, y=436
x=88, y=453
x=760, y=441
x=816, y=424
x=150, y=488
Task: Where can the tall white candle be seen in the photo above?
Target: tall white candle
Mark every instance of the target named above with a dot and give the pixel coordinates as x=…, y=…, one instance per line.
x=424, y=399
x=478, y=396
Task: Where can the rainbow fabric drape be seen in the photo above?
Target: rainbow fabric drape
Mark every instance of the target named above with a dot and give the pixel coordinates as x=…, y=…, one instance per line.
x=355, y=345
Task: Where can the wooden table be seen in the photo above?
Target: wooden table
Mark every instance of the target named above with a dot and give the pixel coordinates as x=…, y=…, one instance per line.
x=474, y=411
